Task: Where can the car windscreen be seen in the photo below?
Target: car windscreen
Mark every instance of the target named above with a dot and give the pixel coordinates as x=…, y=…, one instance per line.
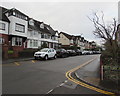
x=44, y=50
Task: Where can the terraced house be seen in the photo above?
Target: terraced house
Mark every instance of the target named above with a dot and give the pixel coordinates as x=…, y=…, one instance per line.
x=18, y=32
x=4, y=27
x=39, y=33
x=67, y=40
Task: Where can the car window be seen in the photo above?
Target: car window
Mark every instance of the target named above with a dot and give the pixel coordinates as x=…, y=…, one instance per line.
x=49, y=50
x=52, y=50
x=44, y=50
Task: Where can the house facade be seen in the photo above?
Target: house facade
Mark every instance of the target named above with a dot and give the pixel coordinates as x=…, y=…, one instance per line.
x=18, y=32
x=17, y=29
x=40, y=33
x=33, y=34
x=4, y=27
x=65, y=39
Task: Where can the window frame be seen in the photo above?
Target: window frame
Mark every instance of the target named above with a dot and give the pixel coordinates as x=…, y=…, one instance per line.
x=2, y=40
x=3, y=27
x=17, y=41
x=21, y=26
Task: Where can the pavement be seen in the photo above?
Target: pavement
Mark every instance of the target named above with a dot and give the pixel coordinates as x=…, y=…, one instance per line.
x=90, y=73
x=7, y=61
x=49, y=77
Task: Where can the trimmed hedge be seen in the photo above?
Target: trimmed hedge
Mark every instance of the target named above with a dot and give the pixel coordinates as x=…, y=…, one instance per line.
x=27, y=53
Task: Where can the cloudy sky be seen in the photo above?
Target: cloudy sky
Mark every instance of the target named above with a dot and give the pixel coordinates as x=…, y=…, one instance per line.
x=69, y=17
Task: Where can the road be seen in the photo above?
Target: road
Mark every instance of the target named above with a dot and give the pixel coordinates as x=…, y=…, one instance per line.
x=41, y=77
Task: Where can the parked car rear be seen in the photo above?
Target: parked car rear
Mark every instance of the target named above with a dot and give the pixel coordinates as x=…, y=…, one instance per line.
x=62, y=53
x=78, y=52
x=71, y=52
x=86, y=52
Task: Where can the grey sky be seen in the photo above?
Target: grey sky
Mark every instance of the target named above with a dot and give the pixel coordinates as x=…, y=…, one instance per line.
x=69, y=17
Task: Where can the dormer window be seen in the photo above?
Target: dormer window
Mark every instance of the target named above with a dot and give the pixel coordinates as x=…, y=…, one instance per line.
x=42, y=25
x=31, y=22
x=25, y=18
x=13, y=13
x=48, y=28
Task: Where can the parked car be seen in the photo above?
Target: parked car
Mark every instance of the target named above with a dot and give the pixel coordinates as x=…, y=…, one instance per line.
x=86, y=52
x=71, y=52
x=45, y=53
x=96, y=52
x=91, y=52
x=78, y=52
x=62, y=53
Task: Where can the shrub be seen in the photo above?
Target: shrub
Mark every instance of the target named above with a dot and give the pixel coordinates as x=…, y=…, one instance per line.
x=10, y=51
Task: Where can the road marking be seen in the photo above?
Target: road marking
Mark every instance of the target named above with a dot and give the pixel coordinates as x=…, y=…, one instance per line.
x=33, y=61
x=16, y=63
x=50, y=91
x=68, y=75
x=61, y=84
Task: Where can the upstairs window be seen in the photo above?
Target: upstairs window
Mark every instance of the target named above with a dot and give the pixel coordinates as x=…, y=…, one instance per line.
x=31, y=22
x=19, y=15
x=42, y=25
x=2, y=26
x=42, y=35
x=19, y=28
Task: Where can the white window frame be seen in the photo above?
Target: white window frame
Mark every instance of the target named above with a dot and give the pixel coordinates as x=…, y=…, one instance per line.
x=2, y=26
x=19, y=28
x=16, y=41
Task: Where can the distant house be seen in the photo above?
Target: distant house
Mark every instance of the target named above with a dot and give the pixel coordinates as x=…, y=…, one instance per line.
x=77, y=41
x=86, y=44
x=93, y=44
x=82, y=44
x=65, y=39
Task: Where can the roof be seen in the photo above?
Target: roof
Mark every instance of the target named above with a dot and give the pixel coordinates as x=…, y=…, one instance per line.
x=3, y=17
x=15, y=10
x=50, y=29
x=67, y=35
x=36, y=25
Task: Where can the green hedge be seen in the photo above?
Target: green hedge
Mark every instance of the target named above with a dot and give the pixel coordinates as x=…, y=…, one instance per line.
x=27, y=53
x=10, y=51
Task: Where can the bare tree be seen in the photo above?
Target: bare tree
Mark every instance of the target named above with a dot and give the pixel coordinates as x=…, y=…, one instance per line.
x=105, y=31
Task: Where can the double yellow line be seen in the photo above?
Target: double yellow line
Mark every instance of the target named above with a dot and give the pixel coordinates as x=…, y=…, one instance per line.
x=68, y=75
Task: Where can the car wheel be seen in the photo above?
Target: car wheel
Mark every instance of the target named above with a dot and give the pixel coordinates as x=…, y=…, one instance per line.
x=55, y=57
x=46, y=57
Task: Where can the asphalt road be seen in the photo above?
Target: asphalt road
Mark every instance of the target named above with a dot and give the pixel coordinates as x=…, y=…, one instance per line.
x=40, y=77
